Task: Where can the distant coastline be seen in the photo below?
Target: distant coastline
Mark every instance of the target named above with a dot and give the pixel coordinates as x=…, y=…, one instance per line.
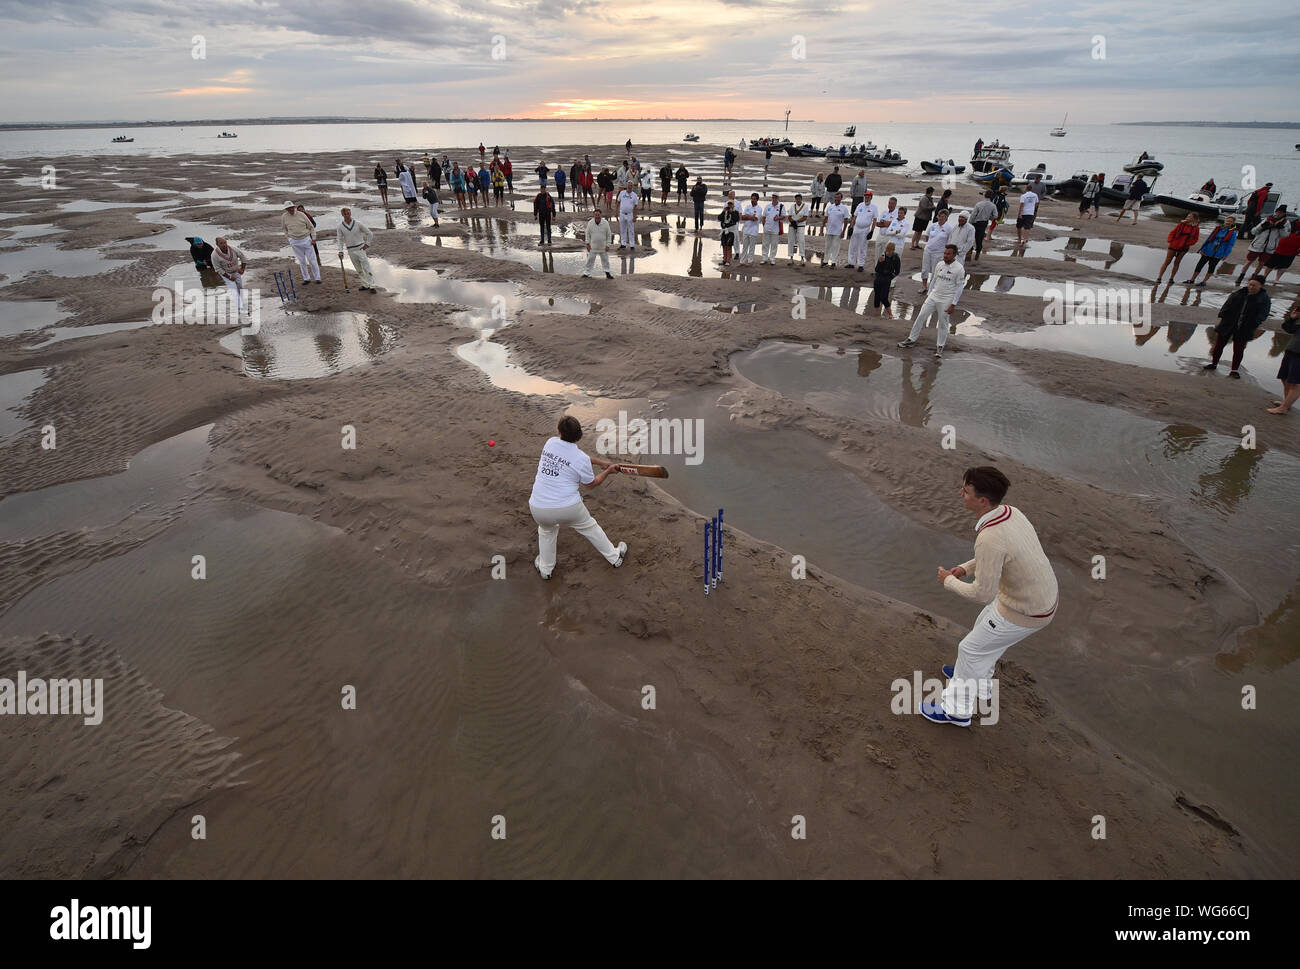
x=1214, y=124
x=234, y=122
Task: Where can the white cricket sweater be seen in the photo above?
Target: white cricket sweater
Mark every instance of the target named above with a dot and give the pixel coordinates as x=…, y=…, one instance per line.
x=1010, y=565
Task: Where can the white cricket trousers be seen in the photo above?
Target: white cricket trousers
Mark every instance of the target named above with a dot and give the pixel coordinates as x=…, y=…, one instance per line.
x=936, y=308
x=747, y=247
x=549, y=521
x=858, y=247
x=977, y=654
x=591, y=260
x=626, y=230
x=833, y=249
x=795, y=240
x=236, y=288
x=361, y=263
x=771, y=242
x=928, y=261
x=306, y=258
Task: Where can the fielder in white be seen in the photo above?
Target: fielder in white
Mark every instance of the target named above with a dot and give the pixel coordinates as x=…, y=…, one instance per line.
x=230, y=264
x=750, y=218
x=355, y=239
x=936, y=242
x=864, y=223
x=598, y=236
x=963, y=237
x=301, y=233
x=941, y=303
x=837, y=217
x=884, y=226
x=773, y=217
x=555, y=500
x=627, y=202
x=799, y=229
x=1012, y=575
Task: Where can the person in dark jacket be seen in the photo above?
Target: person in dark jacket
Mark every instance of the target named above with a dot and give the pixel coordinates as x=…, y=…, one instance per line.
x=729, y=218
x=1242, y=314
x=435, y=173
x=665, y=182
x=543, y=212
x=833, y=182
x=682, y=176
x=887, y=267
x=699, y=192
x=200, y=252
x=1289, y=372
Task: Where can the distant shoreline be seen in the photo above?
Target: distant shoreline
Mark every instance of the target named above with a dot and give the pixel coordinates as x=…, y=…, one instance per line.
x=1214, y=124
x=236, y=122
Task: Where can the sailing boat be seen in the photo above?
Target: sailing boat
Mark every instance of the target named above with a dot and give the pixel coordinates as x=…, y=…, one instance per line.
x=1060, y=132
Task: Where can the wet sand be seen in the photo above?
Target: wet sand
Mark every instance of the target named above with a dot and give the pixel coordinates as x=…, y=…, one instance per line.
x=477, y=697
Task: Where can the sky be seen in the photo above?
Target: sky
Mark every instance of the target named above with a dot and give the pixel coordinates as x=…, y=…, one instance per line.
x=1105, y=61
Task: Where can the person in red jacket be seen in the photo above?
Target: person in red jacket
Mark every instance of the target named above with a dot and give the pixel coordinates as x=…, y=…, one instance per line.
x=1181, y=239
x=1284, y=255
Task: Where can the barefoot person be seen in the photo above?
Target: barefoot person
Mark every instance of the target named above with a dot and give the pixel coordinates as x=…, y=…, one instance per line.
x=1289, y=372
x=555, y=500
x=1012, y=575
x=355, y=239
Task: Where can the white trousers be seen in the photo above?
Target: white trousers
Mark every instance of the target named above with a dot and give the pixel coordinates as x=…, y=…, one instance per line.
x=307, y=261
x=591, y=260
x=977, y=654
x=833, y=249
x=626, y=230
x=928, y=261
x=795, y=240
x=236, y=288
x=771, y=242
x=361, y=263
x=747, y=247
x=549, y=521
x=932, y=308
x=858, y=246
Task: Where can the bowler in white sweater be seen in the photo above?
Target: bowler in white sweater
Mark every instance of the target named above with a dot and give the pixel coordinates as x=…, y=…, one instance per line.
x=1012, y=575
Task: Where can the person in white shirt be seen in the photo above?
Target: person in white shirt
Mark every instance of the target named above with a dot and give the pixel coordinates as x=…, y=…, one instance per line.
x=864, y=224
x=798, y=228
x=896, y=232
x=627, y=203
x=1012, y=575
x=884, y=225
x=837, y=217
x=962, y=236
x=301, y=233
x=773, y=218
x=355, y=239
x=936, y=239
x=750, y=218
x=941, y=303
x=647, y=181
x=555, y=500
x=1025, y=214
x=230, y=264
x=598, y=237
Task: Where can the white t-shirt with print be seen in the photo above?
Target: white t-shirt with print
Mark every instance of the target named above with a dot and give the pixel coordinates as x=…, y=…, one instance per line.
x=562, y=467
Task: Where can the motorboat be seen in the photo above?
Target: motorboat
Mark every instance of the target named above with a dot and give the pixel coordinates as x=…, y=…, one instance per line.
x=227, y=134
x=776, y=144
x=1039, y=178
x=804, y=151
x=1207, y=206
x=852, y=130
x=1059, y=132
x=998, y=176
x=991, y=158
x=941, y=167
x=691, y=138
x=1145, y=166
x=122, y=140
x=880, y=158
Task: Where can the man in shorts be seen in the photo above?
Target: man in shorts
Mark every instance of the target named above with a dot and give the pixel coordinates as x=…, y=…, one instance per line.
x=1136, y=191
x=1025, y=215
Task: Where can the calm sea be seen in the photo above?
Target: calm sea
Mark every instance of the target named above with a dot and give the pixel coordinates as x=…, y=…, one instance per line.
x=1191, y=154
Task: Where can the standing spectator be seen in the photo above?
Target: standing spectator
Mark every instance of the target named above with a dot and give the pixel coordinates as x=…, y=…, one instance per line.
x=647, y=187
x=682, y=176
x=924, y=213
x=485, y=184
x=560, y=179
x=798, y=229
x=665, y=182
x=699, y=192
x=471, y=186
x=1025, y=214
x=751, y=216
x=544, y=212
x=857, y=191
x=1136, y=192
x=729, y=218
x=962, y=236
x=865, y=214
x=587, y=182
x=833, y=182
x=1218, y=246
x=728, y=160
x=381, y=179
x=1263, y=245
x=1181, y=239
x=817, y=192
x=509, y=171
x=1284, y=254
x=833, y=223
x=498, y=185
x=627, y=203
x=773, y=226
x=767, y=159
x=542, y=172
x=606, y=183
x=1255, y=209
x=945, y=202
x=457, y=182
x=430, y=196
x=435, y=173
x=984, y=212
x=1289, y=371
x=888, y=266
x=1241, y=315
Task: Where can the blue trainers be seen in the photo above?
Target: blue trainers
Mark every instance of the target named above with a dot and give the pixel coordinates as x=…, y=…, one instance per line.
x=934, y=713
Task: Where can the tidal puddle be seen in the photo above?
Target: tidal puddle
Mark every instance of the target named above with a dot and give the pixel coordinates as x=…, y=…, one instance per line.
x=60, y=333
x=21, y=316
x=462, y=713
x=15, y=388
x=21, y=232
x=88, y=205
x=155, y=479
x=1174, y=346
x=299, y=346
x=18, y=263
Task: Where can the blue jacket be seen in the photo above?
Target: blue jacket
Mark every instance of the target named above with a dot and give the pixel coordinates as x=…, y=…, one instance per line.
x=559, y=177
x=1219, y=244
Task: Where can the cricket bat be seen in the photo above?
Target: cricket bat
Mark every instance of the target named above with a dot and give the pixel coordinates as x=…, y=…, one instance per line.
x=644, y=470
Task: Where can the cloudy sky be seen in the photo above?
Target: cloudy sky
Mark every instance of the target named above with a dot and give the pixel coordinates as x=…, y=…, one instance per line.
x=889, y=60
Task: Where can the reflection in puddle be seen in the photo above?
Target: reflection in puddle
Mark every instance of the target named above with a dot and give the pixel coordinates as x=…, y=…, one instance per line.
x=14, y=389
x=294, y=346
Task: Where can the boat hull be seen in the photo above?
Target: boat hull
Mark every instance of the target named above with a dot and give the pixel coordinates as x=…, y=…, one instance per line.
x=999, y=176
x=930, y=168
